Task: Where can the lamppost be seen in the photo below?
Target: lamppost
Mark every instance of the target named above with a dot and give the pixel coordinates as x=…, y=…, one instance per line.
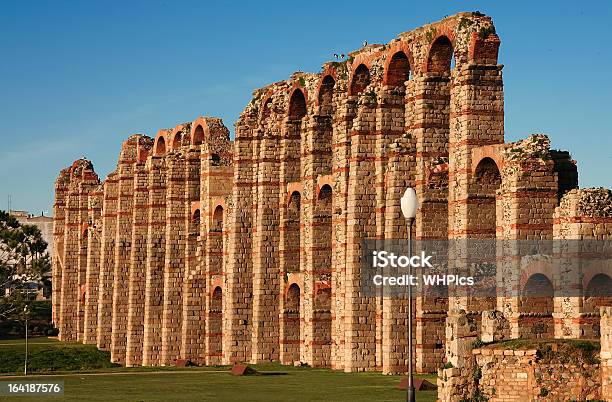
x=409, y=203
x=25, y=364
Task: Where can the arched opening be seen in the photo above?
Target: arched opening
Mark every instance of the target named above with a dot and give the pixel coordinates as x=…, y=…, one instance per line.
x=293, y=238
x=487, y=181
x=536, y=307
x=598, y=293
x=194, y=223
x=160, y=148
x=198, y=135
x=398, y=71
x=297, y=105
x=215, y=329
x=216, y=242
x=322, y=147
x=361, y=79
x=440, y=57
x=291, y=337
x=267, y=109
x=326, y=96
x=322, y=262
x=292, y=142
x=176, y=143
x=323, y=229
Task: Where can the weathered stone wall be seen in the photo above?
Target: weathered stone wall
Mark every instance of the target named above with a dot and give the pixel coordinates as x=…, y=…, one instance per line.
x=197, y=247
x=491, y=366
x=505, y=374
x=606, y=353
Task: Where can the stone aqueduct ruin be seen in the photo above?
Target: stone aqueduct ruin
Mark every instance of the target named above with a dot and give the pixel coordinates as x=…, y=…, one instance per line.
x=199, y=247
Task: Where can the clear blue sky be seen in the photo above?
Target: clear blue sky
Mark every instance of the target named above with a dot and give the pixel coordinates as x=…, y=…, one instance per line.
x=76, y=78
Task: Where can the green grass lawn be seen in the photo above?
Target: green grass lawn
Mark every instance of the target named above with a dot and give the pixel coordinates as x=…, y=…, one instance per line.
x=274, y=383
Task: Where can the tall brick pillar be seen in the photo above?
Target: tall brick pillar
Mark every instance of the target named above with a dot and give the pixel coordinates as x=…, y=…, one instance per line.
x=429, y=100
x=316, y=166
x=237, y=302
x=107, y=261
x=70, y=251
x=360, y=311
x=92, y=277
x=476, y=119
x=190, y=346
x=123, y=248
x=175, y=255
x=266, y=272
x=59, y=225
x=582, y=226
x=156, y=250
x=525, y=205
x=341, y=151
x=606, y=352
x=138, y=256
x=399, y=175
x=82, y=180
x=390, y=126
x=83, y=216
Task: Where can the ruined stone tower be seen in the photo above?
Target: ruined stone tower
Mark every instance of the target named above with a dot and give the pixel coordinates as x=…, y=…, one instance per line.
x=199, y=247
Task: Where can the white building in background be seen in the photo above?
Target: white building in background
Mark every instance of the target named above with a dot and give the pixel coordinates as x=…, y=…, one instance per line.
x=44, y=223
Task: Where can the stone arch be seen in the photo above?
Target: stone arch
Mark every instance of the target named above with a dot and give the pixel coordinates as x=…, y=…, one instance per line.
x=538, y=288
x=297, y=105
x=324, y=197
x=486, y=182
x=323, y=230
x=398, y=70
x=597, y=292
x=326, y=95
x=294, y=187
x=198, y=135
x=322, y=260
x=440, y=56
x=160, y=146
x=215, y=327
x=360, y=80
x=195, y=217
x=194, y=223
x=536, y=305
x=217, y=225
x=291, y=149
x=266, y=108
x=293, y=233
x=177, y=140
x=487, y=172
x=322, y=146
x=216, y=241
x=291, y=336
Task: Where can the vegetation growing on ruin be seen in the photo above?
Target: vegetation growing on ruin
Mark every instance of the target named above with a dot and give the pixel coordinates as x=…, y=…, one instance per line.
x=484, y=32
x=563, y=351
x=465, y=22
x=431, y=34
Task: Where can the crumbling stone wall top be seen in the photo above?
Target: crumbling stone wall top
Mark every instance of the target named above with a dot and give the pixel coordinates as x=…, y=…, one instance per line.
x=588, y=202
x=470, y=37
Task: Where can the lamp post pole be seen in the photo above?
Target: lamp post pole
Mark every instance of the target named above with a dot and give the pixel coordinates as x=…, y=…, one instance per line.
x=410, y=385
x=410, y=203
x=25, y=364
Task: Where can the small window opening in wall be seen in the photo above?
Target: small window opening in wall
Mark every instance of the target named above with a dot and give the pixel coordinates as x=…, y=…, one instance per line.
x=215, y=159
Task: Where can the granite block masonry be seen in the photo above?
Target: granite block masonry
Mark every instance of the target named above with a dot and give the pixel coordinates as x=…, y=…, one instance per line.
x=218, y=251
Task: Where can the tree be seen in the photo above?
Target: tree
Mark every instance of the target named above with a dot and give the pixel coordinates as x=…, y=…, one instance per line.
x=24, y=262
